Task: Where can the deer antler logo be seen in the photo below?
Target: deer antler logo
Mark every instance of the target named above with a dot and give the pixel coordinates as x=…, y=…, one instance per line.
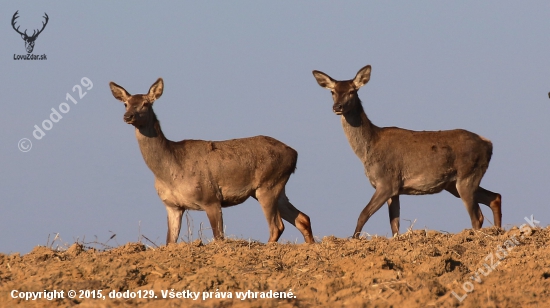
x=29, y=40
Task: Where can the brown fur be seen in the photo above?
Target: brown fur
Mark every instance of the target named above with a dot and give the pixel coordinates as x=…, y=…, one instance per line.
x=404, y=162
x=209, y=175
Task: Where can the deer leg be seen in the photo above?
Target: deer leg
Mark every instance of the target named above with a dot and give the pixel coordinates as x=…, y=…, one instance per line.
x=394, y=208
x=174, y=223
x=295, y=217
x=268, y=199
x=380, y=196
x=214, y=214
x=466, y=191
x=451, y=187
x=492, y=200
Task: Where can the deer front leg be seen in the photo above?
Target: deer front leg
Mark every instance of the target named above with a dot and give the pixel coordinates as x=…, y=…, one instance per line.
x=394, y=208
x=174, y=223
x=380, y=196
x=214, y=214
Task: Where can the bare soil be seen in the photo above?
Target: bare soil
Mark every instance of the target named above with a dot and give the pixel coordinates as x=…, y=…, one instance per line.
x=418, y=269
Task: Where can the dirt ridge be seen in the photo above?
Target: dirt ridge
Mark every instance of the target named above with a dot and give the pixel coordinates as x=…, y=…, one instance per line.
x=420, y=268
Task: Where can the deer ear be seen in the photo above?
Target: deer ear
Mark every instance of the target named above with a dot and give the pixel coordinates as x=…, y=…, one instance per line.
x=119, y=92
x=324, y=80
x=156, y=90
x=362, y=77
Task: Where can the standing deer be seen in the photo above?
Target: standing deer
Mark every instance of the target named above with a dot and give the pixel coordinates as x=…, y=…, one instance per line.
x=404, y=162
x=210, y=175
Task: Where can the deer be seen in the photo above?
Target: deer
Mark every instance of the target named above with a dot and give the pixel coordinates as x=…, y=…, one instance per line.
x=398, y=161
x=211, y=175
x=29, y=40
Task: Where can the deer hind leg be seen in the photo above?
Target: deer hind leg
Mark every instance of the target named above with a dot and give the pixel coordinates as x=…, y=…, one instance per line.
x=492, y=200
x=451, y=187
x=380, y=196
x=214, y=214
x=394, y=209
x=466, y=189
x=295, y=217
x=268, y=199
x=174, y=223
x=487, y=197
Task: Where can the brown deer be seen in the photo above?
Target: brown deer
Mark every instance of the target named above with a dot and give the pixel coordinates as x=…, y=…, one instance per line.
x=404, y=162
x=211, y=175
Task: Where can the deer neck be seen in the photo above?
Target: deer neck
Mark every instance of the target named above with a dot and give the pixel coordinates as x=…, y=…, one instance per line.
x=155, y=148
x=360, y=131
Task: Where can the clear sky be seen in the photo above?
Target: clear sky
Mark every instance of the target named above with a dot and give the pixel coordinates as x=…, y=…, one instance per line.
x=242, y=68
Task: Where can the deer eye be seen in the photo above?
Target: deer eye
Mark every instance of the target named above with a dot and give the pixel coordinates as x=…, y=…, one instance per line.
x=125, y=105
x=332, y=91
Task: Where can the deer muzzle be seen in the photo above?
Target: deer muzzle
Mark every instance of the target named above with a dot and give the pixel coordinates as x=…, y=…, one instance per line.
x=337, y=108
x=129, y=118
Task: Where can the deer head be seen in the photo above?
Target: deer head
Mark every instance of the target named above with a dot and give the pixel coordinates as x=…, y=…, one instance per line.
x=29, y=40
x=139, y=111
x=344, y=93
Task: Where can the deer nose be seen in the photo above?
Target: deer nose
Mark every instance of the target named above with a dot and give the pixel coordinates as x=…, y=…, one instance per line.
x=337, y=108
x=128, y=117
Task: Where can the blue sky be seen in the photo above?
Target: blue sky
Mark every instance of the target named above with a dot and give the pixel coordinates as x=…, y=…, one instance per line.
x=238, y=69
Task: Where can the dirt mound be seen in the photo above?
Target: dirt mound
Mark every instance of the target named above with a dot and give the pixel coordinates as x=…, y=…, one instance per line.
x=486, y=268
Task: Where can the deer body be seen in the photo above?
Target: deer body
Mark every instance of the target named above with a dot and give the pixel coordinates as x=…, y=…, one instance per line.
x=209, y=175
x=196, y=180
x=404, y=162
